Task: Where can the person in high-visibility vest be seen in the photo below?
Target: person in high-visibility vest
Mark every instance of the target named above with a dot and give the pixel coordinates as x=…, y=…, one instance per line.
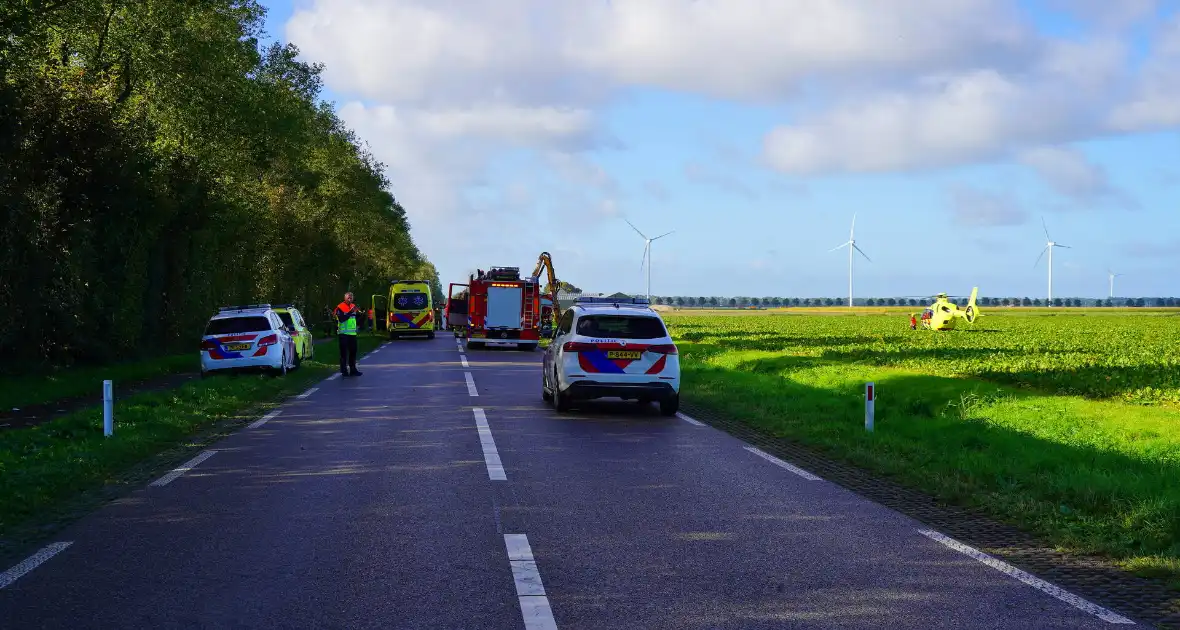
x=346, y=314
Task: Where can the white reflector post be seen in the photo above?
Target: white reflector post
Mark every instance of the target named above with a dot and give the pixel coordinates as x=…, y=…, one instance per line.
x=108, y=408
x=870, y=399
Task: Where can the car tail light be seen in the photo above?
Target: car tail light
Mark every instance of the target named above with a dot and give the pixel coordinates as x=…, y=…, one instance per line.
x=208, y=345
x=268, y=340
x=577, y=346
x=663, y=349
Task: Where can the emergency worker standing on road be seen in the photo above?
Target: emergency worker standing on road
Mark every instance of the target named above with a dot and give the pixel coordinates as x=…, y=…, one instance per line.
x=346, y=314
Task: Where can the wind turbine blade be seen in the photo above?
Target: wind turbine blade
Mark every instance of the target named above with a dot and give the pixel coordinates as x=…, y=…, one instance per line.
x=1044, y=225
x=1060, y=245
x=663, y=235
x=852, y=232
x=862, y=253
x=643, y=258
x=635, y=228
x=1041, y=256
x=840, y=246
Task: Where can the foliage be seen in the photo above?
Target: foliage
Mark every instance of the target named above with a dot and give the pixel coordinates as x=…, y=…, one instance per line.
x=155, y=163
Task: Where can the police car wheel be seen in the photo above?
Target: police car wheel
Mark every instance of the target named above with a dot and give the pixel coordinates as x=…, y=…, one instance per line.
x=669, y=406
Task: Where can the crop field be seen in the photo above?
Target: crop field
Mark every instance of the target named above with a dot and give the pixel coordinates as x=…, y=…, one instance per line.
x=1064, y=422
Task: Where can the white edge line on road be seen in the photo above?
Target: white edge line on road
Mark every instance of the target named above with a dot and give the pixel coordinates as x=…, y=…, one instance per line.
x=308, y=392
x=491, y=456
x=534, y=605
x=463, y=358
x=1028, y=579
x=187, y=466
x=471, y=391
x=690, y=420
x=32, y=562
x=333, y=377
x=264, y=419
x=781, y=464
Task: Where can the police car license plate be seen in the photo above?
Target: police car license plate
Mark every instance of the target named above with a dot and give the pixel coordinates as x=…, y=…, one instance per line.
x=401, y=325
x=623, y=354
x=234, y=347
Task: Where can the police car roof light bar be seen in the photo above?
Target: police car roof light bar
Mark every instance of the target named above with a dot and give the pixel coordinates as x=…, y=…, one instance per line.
x=243, y=307
x=611, y=300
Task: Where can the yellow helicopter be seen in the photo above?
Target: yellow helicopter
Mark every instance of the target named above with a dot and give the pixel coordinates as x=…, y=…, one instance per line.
x=944, y=314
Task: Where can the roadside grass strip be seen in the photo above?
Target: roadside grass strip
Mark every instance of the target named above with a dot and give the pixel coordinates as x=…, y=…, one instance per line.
x=491, y=456
x=1031, y=580
x=67, y=467
x=32, y=562
x=187, y=466
x=534, y=604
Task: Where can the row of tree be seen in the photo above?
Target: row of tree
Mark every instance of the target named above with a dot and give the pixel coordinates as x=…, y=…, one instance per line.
x=776, y=302
x=157, y=162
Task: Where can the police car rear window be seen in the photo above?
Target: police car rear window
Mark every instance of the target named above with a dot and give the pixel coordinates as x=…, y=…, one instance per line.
x=232, y=325
x=286, y=317
x=621, y=327
x=409, y=301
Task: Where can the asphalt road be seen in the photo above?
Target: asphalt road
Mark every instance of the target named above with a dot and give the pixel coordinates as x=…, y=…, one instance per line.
x=400, y=500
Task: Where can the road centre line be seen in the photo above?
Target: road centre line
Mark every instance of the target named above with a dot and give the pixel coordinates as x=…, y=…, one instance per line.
x=491, y=456
x=1033, y=581
x=470, y=384
x=463, y=358
x=308, y=392
x=690, y=420
x=187, y=466
x=781, y=464
x=534, y=605
x=264, y=419
x=32, y=562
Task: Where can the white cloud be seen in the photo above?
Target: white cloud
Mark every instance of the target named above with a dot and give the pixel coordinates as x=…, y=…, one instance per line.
x=971, y=206
x=1071, y=174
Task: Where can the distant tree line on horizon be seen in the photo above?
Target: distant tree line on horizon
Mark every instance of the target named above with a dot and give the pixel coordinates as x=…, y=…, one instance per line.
x=779, y=302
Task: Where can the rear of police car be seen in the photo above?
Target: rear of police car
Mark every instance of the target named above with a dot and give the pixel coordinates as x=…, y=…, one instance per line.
x=243, y=338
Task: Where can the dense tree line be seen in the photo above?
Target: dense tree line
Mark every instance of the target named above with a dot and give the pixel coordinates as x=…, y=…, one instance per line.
x=778, y=302
x=157, y=162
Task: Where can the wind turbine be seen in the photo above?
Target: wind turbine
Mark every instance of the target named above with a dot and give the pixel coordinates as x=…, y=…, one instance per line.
x=1049, y=245
x=851, y=245
x=1113, y=275
x=646, y=253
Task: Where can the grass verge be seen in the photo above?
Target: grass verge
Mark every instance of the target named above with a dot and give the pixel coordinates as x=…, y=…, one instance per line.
x=1087, y=476
x=58, y=471
x=41, y=388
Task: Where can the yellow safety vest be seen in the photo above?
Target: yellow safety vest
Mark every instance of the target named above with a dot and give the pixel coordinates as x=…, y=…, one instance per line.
x=348, y=326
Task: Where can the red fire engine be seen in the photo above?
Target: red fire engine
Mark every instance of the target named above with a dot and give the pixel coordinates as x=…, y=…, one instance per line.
x=500, y=306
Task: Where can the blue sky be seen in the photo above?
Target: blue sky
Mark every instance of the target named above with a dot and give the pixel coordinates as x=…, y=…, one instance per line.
x=756, y=130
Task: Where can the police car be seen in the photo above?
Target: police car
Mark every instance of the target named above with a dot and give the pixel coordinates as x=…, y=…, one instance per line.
x=251, y=336
x=611, y=348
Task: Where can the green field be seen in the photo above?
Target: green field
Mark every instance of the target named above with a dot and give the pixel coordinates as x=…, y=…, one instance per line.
x=1064, y=422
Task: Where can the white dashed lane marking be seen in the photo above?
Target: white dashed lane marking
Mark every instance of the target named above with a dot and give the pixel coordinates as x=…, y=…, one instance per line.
x=463, y=359
x=471, y=391
x=264, y=419
x=32, y=562
x=534, y=605
x=781, y=464
x=187, y=466
x=491, y=456
x=690, y=420
x=1031, y=580
x=308, y=393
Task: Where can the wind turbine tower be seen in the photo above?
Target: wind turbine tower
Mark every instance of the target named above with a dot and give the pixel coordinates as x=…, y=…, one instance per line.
x=852, y=248
x=1049, y=245
x=1112, y=275
x=646, y=254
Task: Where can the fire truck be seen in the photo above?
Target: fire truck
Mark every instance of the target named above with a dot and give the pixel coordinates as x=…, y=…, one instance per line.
x=499, y=306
